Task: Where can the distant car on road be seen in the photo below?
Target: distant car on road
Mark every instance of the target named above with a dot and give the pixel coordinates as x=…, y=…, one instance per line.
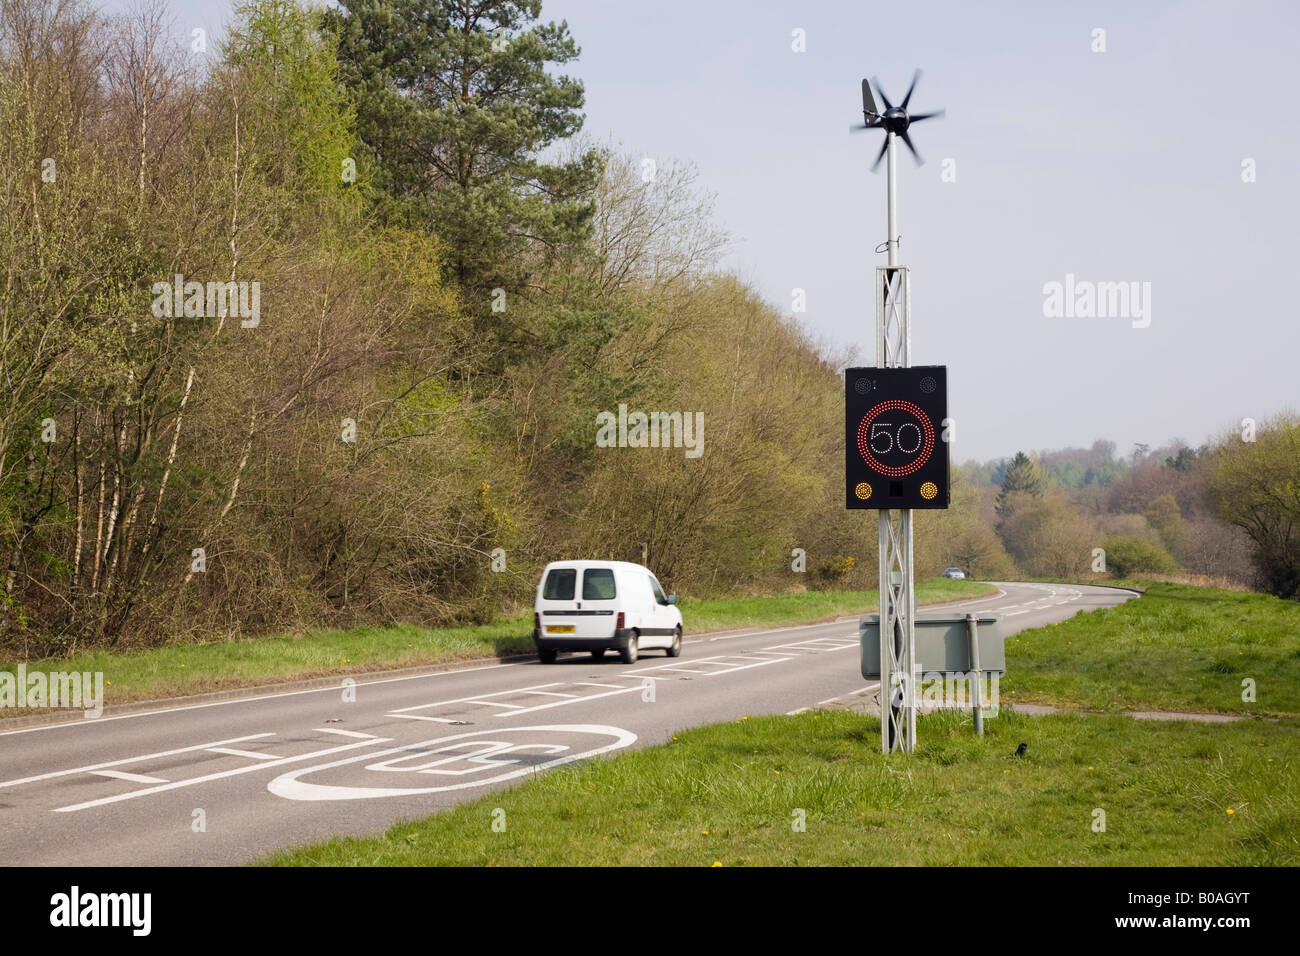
x=954, y=573
x=598, y=606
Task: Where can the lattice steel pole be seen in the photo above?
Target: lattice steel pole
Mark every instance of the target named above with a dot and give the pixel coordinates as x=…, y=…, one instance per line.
x=897, y=593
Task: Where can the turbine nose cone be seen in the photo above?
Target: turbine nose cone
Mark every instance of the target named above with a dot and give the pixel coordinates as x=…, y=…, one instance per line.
x=895, y=120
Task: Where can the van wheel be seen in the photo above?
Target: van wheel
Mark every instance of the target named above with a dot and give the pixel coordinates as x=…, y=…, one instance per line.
x=546, y=656
x=628, y=651
x=676, y=649
x=598, y=653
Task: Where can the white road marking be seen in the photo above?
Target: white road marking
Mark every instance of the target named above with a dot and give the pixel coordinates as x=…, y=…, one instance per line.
x=176, y=785
x=480, y=754
x=700, y=667
x=332, y=689
x=727, y=668
x=344, y=733
x=575, y=700
x=123, y=775
x=835, y=643
x=516, y=710
x=477, y=699
x=125, y=760
x=253, y=754
x=291, y=788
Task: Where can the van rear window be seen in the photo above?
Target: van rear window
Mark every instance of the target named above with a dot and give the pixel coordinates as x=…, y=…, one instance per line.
x=559, y=584
x=598, y=584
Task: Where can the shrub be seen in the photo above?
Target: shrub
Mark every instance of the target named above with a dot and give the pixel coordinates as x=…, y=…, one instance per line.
x=1130, y=553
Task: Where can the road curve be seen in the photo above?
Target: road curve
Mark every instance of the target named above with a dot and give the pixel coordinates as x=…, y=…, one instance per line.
x=224, y=782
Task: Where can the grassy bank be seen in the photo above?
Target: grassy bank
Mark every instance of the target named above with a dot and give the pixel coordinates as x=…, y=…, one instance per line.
x=1177, y=648
x=732, y=794
x=197, y=668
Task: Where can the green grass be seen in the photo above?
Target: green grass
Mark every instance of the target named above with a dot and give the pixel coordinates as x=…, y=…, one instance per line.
x=736, y=613
x=197, y=668
x=1178, y=648
x=730, y=793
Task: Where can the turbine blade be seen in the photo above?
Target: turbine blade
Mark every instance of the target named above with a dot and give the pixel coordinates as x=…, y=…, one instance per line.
x=868, y=102
x=915, y=155
x=881, y=90
x=884, y=148
x=907, y=99
x=936, y=114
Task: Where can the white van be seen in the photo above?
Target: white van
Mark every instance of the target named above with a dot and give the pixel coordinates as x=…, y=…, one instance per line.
x=602, y=605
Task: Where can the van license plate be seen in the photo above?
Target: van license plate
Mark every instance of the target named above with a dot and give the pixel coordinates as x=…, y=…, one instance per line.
x=559, y=629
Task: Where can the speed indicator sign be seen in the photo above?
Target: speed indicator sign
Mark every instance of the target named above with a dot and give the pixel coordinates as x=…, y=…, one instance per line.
x=896, y=449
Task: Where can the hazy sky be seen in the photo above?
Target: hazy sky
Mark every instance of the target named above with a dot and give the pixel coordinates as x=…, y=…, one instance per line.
x=1124, y=165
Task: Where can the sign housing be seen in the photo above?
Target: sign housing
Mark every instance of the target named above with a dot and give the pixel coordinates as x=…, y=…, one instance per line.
x=895, y=449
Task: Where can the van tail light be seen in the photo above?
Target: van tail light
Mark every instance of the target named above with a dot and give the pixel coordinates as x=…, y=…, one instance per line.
x=618, y=623
x=537, y=621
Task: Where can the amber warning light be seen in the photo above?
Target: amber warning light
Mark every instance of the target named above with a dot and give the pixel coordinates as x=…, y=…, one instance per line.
x=896, y=437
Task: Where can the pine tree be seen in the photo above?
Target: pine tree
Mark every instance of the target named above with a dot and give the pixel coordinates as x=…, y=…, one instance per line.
x=455, y=103
x=1022, y=476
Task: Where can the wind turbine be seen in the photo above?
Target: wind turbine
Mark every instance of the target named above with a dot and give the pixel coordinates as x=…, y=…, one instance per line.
x=895, y=121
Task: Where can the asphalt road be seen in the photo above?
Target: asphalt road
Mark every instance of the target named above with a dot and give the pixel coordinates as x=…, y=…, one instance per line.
x=224, y=782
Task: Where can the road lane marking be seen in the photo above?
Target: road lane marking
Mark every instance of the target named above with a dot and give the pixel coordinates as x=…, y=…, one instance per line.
x=343, y=733
x=123, y=775
x=575, y=700
x=700, y=667
x=332, y=689
x=836, y=643
x=721, y=660
x=479, y=698
x=117, y=763
x=230, y=751
x=206, y=778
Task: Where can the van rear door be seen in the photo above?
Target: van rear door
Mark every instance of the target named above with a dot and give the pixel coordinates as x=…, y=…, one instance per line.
x=556, y=602
x=578, y=603
x=597, y=603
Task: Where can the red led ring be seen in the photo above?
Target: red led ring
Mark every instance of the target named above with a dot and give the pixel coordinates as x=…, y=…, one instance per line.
x=927, y=444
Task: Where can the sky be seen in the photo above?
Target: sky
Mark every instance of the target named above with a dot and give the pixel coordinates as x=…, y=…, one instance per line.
x=1115, y=165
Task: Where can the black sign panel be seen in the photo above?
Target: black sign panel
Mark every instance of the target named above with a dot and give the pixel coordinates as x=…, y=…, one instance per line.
x=895, y=448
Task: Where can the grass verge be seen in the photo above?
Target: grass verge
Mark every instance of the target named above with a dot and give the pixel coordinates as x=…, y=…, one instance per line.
x=1179, y=648
x=197, y=668
x=733, y=794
